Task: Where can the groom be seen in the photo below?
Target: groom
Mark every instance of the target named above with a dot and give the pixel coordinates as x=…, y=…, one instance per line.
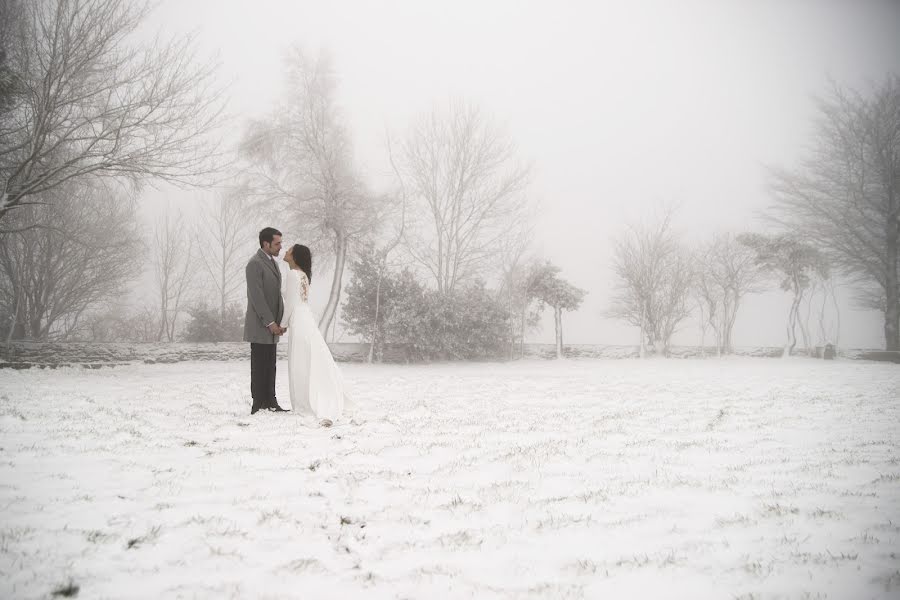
x=261, y=325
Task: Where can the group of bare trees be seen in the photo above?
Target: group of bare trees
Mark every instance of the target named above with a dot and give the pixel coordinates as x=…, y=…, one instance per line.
x=301, y=167
x=844, y=197
x=459, y=191
x=836, y=213
x=724, y=271
x=662, y=282
x=87, y=113
x=84, y=101
x=655, y=275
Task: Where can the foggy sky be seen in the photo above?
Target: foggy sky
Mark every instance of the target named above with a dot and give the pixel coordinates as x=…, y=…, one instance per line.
x=618, y=105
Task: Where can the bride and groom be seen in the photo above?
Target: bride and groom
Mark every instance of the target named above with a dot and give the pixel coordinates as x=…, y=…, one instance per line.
x=315, y=383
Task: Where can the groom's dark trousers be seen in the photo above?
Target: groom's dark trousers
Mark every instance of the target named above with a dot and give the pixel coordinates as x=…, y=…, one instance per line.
x=264, y=307
x=262, y=375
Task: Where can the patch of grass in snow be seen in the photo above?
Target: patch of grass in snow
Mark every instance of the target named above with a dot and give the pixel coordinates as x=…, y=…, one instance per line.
x=890, y=581
x=737, y=519
x=635, y=560
x=269, y=515
x=823, y=558
x=559, y=521
x=589, y=567
x=780, y=510
x=859, y=494
x=96, y=536
x=460, y=538
x=865, y=538
x=218, y=551
x=716, y=420
x=303, y=564
x=12, y=412
x=890, y=527
x=821, y=513
x=887, y=477
x=595, y=495
x=758, y=568
x=148, y=538
x=68, y=590
x=13, y=534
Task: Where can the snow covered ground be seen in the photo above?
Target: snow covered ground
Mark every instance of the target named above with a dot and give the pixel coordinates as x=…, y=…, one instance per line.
x=735, y=478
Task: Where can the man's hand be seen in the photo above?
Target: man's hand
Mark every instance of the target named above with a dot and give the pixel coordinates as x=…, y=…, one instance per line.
x=275, y=329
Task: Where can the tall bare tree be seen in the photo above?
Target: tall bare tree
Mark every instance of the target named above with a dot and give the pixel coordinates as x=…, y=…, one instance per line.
x=466, y=188
x=86, y=102
x=222, y=231
x=301, y=161
x=173, y=268
x=726, y=271
x=51, y=277
x=654, y=275
x=845, y=197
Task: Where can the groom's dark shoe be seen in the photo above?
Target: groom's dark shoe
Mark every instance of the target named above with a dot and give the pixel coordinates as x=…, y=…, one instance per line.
x=277, y=408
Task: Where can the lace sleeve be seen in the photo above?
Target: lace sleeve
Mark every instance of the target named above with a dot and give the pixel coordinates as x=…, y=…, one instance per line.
x=304, y=287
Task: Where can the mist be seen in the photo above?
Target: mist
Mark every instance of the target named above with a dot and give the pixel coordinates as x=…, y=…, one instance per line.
x=619, y=107
x=473, y=299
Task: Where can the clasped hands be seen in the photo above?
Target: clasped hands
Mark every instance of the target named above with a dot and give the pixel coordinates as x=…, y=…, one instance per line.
x=277, y=329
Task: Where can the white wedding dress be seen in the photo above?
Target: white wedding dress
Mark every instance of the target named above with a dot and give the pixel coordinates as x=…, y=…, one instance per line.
x=315, y=382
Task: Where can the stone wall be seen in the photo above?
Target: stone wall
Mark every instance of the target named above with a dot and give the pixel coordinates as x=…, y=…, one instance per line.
x=23, y=355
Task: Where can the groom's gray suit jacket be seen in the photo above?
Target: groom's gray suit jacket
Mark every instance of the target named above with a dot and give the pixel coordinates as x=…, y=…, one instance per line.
x=264, y=303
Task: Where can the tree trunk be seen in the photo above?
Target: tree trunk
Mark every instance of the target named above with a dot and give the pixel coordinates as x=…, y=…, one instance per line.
x=557, y=315
x=793, y=316
x=641, y=347
x=522, y=334
x=729, y=327
x=340, y=259
x=375, y=323
x=892, y=289
x=222, y=302
x=16, y=331
x=836, y=337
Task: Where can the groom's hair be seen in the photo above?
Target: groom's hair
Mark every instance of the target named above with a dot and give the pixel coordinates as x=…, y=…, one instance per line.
x=267, y=235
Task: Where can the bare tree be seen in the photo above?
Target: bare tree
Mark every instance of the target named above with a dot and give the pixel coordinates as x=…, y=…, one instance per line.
x=302, y=156
x=796, y=265
x=845, y=197
x=545, y=285
x=222, y=228
x=512, y=255
x=383, y=256
x=654, y=279
x=84, y=102
x=465, y=187
x=50, y=279
x=10, y=12
x=173, y=262
x=726, y=271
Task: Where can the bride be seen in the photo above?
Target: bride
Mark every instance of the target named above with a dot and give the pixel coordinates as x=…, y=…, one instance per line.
x=315, y=383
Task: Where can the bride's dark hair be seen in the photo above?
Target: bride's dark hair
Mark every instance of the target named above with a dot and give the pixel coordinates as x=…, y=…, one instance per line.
x=303, y=257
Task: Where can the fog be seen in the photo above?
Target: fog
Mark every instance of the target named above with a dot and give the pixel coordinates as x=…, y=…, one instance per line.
x=619, y=107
